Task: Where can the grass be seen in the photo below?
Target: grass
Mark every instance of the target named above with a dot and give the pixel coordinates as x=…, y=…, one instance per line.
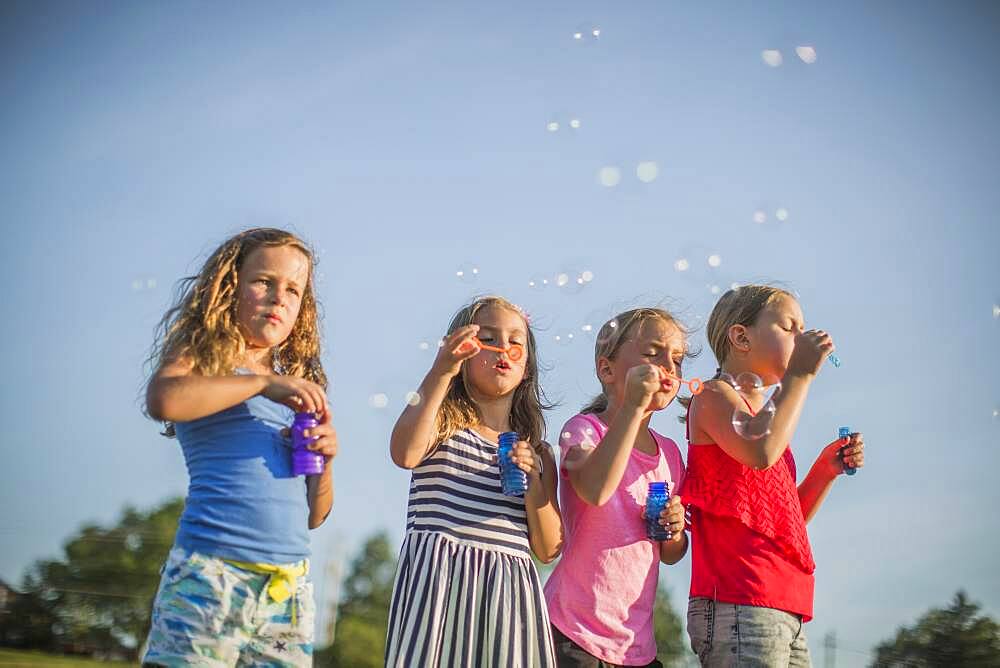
x=14, y=657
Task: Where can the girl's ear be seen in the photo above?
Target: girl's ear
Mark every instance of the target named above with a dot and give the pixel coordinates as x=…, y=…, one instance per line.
x=739, y=338
x=605, y=372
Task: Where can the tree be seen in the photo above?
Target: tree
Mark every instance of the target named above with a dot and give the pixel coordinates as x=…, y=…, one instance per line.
x=955, y=636
x=363, y=613
x=670, y=644
x=97, y=599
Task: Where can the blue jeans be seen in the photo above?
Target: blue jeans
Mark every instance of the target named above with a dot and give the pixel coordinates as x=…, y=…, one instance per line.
x=727, y=634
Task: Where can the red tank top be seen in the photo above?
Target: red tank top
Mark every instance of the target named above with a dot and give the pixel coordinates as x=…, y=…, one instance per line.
x=748, y=534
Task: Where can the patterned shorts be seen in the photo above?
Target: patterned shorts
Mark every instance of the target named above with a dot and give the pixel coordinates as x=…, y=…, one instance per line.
x=210, y=613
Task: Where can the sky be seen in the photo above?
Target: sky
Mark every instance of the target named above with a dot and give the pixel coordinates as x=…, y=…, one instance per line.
x=435, y=151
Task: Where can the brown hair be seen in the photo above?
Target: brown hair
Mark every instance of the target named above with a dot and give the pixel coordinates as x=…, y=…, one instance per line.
x=201, y=325
x=458, y=411
x=739, y=306
x=614, y=333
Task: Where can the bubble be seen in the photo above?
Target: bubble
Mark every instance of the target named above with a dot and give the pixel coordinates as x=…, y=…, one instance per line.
x=714, y=289
x=552, y=126
x=781, y=215
x=136, y=285
x=467, y=273
x=538, y=281
x=609, y=177
x=647, y=171
x=378, y=400
x=759, y=217
x=771, y=57
x=806, y=54
x=562, y=279
x=714, y=260
x=681, y=264
x=564, y=338
x=996, y=413
x=578, y=35
x=574, y=123
x=596, y=32
x=150, y=283
x=424, y=345
x=757, y=426
x=412, y=398
x=143, y=283
x=996, y=311
x=133, y=542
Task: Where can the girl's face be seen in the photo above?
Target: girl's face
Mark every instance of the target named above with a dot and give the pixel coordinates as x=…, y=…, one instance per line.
x=271, y=283
x=489, y=373
x=656, y=341
x=772, y=338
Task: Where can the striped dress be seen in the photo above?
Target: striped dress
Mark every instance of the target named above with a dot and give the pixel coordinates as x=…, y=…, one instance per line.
x=466, y=591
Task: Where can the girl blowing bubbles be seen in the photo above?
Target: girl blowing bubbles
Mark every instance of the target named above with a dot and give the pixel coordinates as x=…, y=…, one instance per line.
x=601, y=593
x=466, y=591
x=752, y=566
x=238, y=354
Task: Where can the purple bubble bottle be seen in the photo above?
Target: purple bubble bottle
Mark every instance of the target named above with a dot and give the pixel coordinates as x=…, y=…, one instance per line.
x=845, y=432
x=513, y=481
x=656, y=501
x=304, y=460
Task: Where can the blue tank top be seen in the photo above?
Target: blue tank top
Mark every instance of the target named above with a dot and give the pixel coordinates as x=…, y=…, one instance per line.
x=243, y=502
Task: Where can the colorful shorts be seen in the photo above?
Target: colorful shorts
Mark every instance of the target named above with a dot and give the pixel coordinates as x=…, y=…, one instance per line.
x=208, y=612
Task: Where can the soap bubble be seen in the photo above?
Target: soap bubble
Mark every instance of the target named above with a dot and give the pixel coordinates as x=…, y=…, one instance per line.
x=781, y=214
x=467, y=273
x=806, y=53
x=647, y=171
x=758, y=425
x=378, y=400
x=609, y=176
x=772, y=57
x=412, y=398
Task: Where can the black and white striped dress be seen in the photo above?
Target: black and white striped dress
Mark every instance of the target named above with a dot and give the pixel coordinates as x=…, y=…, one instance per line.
x=466, y=592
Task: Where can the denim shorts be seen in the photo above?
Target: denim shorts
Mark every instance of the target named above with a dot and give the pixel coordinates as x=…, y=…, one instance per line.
x=208, y=612
x=727, y=634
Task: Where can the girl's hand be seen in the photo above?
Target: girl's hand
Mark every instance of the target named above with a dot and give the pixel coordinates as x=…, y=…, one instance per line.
x=844, y=453
x=641, y=383
x=812, y=347
x=299, y=394
x=326, y=438
x=524, y=456
x=459, y=346
x=672, y=519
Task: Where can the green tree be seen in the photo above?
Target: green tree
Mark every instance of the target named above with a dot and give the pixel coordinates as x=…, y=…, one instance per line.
x=671, y=647
x=363, y=613
x=96, y=599
x=956, y=636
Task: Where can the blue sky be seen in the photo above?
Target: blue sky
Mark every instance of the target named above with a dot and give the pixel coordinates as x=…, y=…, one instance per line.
x=408, y=142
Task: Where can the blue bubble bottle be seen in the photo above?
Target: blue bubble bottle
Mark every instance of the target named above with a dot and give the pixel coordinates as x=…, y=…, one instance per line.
x=513, y=481
x=845, y=432
x=656, y=501
x=304, y=460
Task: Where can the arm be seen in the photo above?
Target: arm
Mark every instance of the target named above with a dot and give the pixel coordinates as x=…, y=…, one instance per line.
x=595, y=473
x=828, y=465
x=541, y=505
x=712, y=411
x=176, y=394
x=413, y=434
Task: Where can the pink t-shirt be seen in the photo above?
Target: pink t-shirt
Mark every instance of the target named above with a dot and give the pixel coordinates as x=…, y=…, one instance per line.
x=602, y=591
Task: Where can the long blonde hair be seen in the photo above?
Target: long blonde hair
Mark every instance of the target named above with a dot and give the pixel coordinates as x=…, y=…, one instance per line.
x=739, y=306
x=201, y=324
x=615, y=332
x=458, y=411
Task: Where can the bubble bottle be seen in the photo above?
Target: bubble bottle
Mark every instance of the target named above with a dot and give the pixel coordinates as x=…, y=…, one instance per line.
x=656, y=501
x=304, y=460
x=845, y=432
x=513, y=481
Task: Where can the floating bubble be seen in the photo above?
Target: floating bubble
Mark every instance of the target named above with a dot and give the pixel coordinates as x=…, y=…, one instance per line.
x=467, y=273
x=714, y=260
x=133, y=542
x=781, y=215
x=759, y=217
x=714, y=289
x=424, y=345
x=378, y=400
x=609, y=177
x=596, y=32
x=996, y=311
x=539, y=281
x=564, y=338
x=562, y=279
x=996, y=413
x=552, y=126
x=758, y=425
x=682, y=264
x=771, y=57
x=587, y=275
x=412, y=398
x=806, y=54
x=574, y=123
x=140, y=284
x=647, y=171
x=578, y=35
